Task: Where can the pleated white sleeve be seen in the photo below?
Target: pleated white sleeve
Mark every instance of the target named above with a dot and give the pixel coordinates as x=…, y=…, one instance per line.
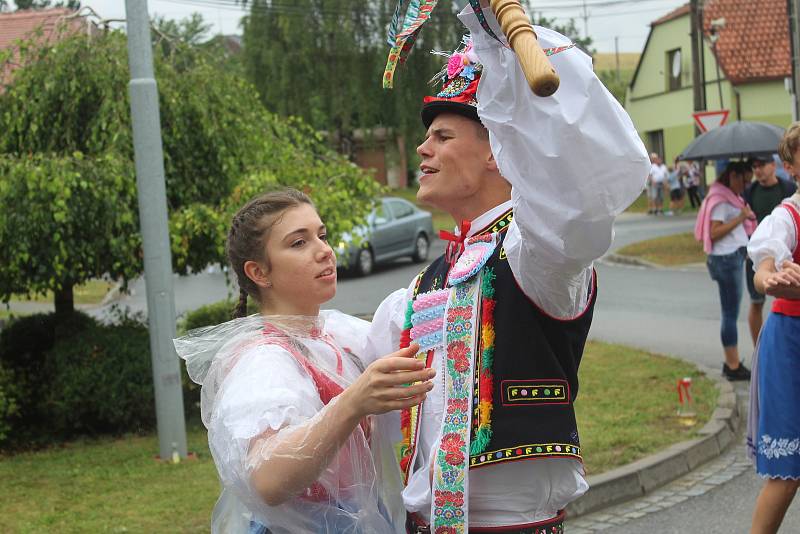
x=774, y=238
x=574, y=160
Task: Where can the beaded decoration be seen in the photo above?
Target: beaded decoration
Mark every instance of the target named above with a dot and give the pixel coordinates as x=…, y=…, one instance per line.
x=427, y=319
x=477, y=251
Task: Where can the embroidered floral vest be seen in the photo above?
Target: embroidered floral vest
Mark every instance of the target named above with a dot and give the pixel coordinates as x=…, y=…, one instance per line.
x=526, y=369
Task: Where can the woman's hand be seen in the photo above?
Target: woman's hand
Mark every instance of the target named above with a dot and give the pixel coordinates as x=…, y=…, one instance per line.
x=384, y=385
x=776, y=283
x=747, y=213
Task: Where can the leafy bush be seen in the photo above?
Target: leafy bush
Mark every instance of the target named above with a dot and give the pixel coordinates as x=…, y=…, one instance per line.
x=101, y=382
x=212, y=314
x=9, y=409
x=24, y=344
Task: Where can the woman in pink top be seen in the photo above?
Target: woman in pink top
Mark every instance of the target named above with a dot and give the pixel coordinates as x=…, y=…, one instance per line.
x=724, y=223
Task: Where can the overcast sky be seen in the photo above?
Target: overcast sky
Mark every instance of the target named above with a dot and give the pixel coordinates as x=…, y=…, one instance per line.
x=627, y=19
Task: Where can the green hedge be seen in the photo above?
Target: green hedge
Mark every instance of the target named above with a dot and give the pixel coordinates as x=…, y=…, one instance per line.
x=61, y=377
x=213, y=314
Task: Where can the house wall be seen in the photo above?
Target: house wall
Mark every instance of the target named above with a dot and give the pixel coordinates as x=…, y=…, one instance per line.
x=653, y=107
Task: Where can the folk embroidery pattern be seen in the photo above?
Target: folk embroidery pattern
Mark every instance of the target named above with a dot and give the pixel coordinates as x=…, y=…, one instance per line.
x=774, y=448
x=451, y=463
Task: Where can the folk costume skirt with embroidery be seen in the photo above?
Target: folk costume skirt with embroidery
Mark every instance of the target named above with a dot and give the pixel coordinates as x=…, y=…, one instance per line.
x=776, y=438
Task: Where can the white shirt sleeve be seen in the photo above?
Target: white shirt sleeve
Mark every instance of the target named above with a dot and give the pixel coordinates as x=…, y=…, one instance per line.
x=387, y=325
x=723, y=212
x=265, y=389
x=775, y=237
x=574, y=160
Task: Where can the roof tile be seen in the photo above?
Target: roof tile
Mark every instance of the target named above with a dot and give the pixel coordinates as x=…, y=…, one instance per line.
x=754, y=44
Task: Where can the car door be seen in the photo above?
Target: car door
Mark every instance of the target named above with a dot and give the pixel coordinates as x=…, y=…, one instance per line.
x=381, y=230
x=405, y=226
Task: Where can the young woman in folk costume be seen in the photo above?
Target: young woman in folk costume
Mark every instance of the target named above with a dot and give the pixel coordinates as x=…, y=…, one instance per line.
x=773, y=433
x=504, y=315
x=287, y=406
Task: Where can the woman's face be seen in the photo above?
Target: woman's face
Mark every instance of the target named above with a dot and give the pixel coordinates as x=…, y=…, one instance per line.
x=302, y=266
x=737, y=183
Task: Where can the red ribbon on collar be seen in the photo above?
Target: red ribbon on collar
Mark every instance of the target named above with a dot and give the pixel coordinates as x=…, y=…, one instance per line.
x=456, y=242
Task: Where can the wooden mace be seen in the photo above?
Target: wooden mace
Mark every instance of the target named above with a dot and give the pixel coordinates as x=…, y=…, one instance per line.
x=517, y=27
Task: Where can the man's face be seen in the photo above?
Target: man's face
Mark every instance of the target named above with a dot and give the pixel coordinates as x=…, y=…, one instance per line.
x=794, y=167
x=764, y=172
x=454, y=156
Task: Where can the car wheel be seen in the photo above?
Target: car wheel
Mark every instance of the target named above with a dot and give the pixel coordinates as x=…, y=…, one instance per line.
x=364, y=262
x=421, y=248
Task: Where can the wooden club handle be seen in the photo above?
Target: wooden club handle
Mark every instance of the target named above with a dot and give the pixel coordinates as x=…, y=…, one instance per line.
x=516, y=25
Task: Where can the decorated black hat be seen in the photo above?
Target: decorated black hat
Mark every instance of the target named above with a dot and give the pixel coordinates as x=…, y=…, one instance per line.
x=459, y=91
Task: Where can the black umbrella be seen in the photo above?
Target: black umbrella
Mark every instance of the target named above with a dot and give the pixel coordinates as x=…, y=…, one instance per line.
x=735, y=140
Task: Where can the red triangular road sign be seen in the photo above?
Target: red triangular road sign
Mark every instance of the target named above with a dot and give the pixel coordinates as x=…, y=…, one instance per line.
x=708, y=120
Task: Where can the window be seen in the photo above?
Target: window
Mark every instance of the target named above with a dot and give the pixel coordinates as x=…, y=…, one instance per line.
x=401, y=209
x=674, y=69
x=655, y=142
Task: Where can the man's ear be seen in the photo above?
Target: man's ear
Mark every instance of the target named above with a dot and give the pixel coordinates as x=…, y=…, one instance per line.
x=491, y=163
x=257, y=273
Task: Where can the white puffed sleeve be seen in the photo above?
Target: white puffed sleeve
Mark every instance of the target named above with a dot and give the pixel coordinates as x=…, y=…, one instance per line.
x=387, y=325
x=775, y=237
x=574, y=160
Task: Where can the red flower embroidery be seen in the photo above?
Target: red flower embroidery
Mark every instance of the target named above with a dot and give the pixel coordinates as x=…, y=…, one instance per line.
x=457, y=351
x=452, y=442
x=446, y=530
x=442, y=498
x=452, y=445
x=457, y=405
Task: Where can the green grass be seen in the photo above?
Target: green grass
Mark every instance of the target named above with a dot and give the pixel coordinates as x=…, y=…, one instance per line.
x=678, y=249
x=92, y=292
x=108, y=486
x=625, y=410
x=627, y=404
x=441, y=220
x=640, y=205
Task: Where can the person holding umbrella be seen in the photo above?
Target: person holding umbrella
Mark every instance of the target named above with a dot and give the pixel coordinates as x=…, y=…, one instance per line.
x=724, y=224
x=763, y=195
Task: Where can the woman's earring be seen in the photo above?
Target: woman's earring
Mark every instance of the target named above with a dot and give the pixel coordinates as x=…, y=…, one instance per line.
x=269, y=284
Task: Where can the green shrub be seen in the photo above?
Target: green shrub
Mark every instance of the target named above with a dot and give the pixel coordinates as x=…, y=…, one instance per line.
x=9, y=410
x=101, y=382
x=212, y=314
x=24, y=344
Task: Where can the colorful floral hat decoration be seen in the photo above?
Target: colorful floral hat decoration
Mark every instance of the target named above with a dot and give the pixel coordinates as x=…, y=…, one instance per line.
x=460, y=77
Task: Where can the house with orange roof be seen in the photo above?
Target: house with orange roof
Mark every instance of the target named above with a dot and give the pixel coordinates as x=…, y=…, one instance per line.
x=747, y=62
x=44, y=24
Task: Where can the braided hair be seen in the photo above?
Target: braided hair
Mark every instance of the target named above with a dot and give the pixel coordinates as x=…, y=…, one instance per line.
x=247, y=236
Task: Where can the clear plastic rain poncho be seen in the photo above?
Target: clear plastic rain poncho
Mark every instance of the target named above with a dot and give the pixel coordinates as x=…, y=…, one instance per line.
x=268, y=384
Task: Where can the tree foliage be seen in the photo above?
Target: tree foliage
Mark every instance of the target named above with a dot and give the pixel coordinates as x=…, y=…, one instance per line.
x=67, y=163
x=323, y=60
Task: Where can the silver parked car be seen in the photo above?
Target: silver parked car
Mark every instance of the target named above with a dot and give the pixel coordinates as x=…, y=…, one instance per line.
x=395, y=228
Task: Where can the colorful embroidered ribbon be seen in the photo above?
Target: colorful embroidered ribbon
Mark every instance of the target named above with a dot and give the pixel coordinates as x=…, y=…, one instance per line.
x=417, y=14
x=456, y=242
x=449, y=506
x=476, y=7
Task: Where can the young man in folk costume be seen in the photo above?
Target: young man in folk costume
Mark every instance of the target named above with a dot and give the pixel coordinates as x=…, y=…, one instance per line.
x=503, y=316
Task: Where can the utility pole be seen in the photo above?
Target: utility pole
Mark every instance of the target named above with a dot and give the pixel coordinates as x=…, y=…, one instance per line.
x=698, y=63
x=585, y=20
x=616, y=53
x=793, y=10
x=149, y=159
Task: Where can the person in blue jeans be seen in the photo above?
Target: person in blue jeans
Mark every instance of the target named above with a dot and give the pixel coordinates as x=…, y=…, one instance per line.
x=728, y=221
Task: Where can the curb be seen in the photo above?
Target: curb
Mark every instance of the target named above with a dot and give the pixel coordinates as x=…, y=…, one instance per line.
x=643, y=476
x=613, y=258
